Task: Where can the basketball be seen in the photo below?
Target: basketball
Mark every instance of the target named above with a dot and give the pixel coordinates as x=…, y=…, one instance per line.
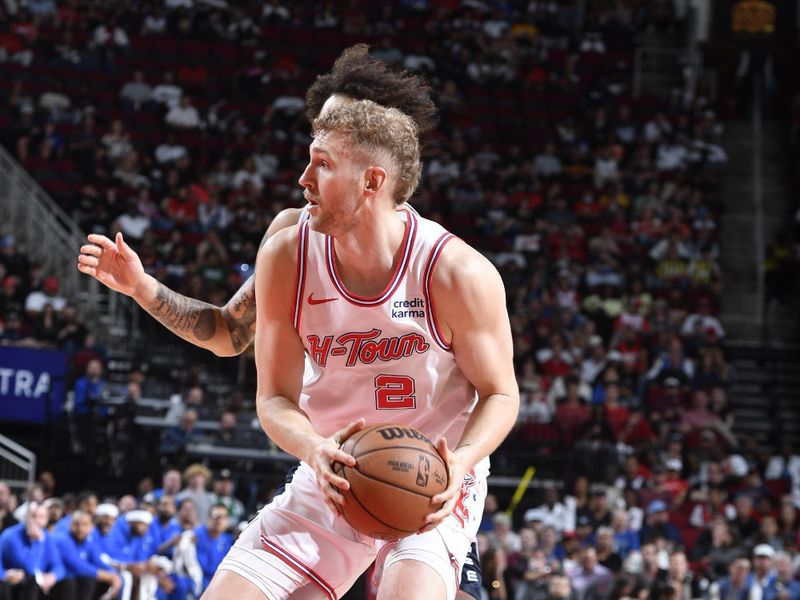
x=397, y=472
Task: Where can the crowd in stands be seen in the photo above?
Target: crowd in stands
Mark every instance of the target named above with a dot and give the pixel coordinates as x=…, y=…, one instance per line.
x=164, y=543
x=181, y=123
x=32, y=312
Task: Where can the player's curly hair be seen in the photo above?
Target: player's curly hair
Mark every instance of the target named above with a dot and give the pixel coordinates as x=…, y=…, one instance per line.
x=361, y=77
x=378, y=135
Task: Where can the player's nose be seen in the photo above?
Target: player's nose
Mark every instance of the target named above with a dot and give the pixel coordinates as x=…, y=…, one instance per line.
x=306, y=180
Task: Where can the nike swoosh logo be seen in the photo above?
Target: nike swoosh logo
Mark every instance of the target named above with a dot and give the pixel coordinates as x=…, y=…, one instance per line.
x=314, y=302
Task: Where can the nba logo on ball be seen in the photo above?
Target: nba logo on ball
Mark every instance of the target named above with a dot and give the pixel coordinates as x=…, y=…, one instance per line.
x=423, y=470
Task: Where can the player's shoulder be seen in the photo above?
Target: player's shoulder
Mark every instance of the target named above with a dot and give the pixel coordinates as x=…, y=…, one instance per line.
x=283, y=220
x=461, y=264
x=281, y=246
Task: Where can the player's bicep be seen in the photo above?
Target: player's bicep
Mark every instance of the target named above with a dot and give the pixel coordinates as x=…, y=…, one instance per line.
x=475, y=313
x=278, y=348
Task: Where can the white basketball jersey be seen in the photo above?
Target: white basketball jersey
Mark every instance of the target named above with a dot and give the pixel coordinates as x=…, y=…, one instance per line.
x=381, y=358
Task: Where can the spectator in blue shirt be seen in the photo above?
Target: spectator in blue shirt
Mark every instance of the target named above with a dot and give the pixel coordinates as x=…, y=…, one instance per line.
x=171, y=483
x=625, y=539
x=87, y=502
x=89, y=388
x=30, y=554
x=138, y=548
x=165, y=528
x=82, y=558
x=784, y=585
x=212, y=541
x=658, y=525
x=735, y=586
x=105, y=535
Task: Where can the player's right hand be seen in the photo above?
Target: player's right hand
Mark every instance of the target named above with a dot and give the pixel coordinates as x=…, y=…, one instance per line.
x=328, y=452
x=114, y=264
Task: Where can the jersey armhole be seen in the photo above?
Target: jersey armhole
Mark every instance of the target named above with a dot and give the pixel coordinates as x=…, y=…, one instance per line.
x=433, y=326
x=300, y=277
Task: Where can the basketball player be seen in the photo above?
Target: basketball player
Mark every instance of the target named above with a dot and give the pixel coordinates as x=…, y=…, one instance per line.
x=229, y=330
x=336, y=288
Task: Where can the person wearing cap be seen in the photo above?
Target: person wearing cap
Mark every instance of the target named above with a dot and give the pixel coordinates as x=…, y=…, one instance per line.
x=584, y=532
x=196, y=477
x=36, y=300
x=83, y=559
x=223, y=494
x=674, y=484
x=658, y=525
x=597, y=509
x=138, y=550
x=104, y=533
x=213, y=541
x=763, y=572
x=29, y=558
x=783, y=586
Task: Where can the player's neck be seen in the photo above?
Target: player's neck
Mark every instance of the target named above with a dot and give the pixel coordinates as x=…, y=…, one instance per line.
x=366, y=256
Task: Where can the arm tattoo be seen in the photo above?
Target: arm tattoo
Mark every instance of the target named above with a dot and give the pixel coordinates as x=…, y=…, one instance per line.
x=241, y=316
x=183, y=316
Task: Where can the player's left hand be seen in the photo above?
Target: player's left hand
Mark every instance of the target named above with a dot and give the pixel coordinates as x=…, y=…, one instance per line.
x=446, y=500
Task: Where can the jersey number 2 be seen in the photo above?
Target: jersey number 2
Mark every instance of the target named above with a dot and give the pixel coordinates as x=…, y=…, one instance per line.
x=393, y=392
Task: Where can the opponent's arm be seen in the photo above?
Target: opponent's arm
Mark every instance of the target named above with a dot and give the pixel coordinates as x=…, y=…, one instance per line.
x=472, y=314
x=280, y=361
x=226, y=330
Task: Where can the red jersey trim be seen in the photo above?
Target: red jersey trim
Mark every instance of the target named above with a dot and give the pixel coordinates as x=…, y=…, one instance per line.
x=300, y=282
x=299, y=566
x=430, y=314
x=400, y=271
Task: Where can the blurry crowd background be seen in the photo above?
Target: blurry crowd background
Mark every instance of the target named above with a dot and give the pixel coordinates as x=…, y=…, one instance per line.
x=181, y=123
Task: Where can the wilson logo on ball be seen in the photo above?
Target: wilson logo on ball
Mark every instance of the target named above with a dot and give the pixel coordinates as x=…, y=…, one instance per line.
x=396, y=433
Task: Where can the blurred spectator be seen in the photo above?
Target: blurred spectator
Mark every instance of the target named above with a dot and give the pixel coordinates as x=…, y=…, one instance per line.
x=7, y=506
x=679, y=578
x=625, y=539
x=183, y=115
x=590, y=580
x=763, y=572
x=736, y=585
x=165, y=528
x=784, y=584
x=90, y=389
x=83, y=560
x=226, y=434
x=197, y=478
x=137, y=92
x=502, y=535
x=223, y=494
x=30, y=559
x=213, y=542
x=36, y=300
x=175, y=439
x=170, y=484
x=658, y=525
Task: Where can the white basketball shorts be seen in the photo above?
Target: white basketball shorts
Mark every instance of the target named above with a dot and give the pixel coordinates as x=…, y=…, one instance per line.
x=299, y=547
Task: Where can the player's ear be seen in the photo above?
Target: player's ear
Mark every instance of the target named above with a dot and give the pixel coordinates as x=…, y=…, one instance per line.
x=374, y=178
